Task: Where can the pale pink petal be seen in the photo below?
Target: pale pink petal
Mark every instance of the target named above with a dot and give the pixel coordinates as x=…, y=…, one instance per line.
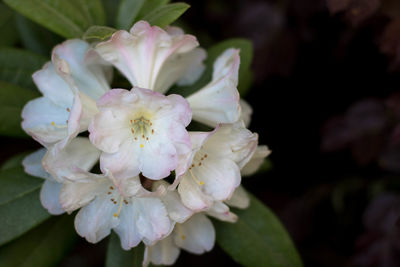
x=33, y=164
x=164, y=252
x=95, y=221
x=192, y=195
x=246, y=112
x=142, y=54
x=197, y=235
x=239, y=199
x=127, y=230
x=49, y=195
x=218, y=102
x=221, y=211
x=256, y=160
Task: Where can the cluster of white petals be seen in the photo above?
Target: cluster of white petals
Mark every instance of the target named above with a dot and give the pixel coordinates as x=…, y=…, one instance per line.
x=156, y=182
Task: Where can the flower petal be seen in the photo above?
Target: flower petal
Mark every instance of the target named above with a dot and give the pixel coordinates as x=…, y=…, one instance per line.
x=218, y=102
x=33, y=164
x=192, y=195
x=164, y=252
x=221, y=211
x=197, y=235
x=256, y=160
x=246, y=112
x=49, y=195
x=95, y=221
x=239, y=199
x=63, y=164
x=142, y=54
x=152, y=222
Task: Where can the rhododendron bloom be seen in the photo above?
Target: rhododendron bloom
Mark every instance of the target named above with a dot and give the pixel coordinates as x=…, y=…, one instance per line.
x=70, y=84
x=214, y=172
x=140, y=131
x=153, y=58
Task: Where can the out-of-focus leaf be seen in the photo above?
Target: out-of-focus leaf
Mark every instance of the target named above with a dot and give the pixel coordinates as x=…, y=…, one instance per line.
x=165, y=15
x=20, y=207
x=17, y=66
x=257, y=238
x=67, y=18
x=116, y=256
x=34, y=37
x=98, y=33
x=12, y=100
x=8, y=33
x=15, y=161
x=356, y=10
x=127, y=12
x=111, y=10
x=44, y=246
x=149, y=6
x=245, y=75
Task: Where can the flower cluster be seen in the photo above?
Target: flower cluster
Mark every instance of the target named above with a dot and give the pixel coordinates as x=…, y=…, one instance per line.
x=156, y=181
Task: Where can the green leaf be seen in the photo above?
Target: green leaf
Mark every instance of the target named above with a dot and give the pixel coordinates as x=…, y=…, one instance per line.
x=245, y=74
x=20, y=207
x=8, y=33
x=150, y=5
x=98, y=33
x=14, y=161
x=34, y=37
x=165, y=15
x=44, y=246
x=127, y=12
x=67, y=18
x=257, y=238
x=12, y=100
x=111, y=9
x=17, y=66
x=116, y=256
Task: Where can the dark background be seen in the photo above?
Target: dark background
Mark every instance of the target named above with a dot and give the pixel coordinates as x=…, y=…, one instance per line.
x=324, y=101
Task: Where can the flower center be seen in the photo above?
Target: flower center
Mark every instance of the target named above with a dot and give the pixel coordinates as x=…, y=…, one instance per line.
x=141, y=129
x=114, y=197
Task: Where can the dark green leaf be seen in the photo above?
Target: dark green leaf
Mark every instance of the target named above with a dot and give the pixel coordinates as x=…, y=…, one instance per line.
x=8, y=33
x=150, y=5
x=127, y=12
x=165, y=15
x=67, y=18
x=116, y=256
x=111, y=9
x=20, y=207
x=15, y=161
x=44, y=246
x=12, y=100
x=98, y=33
x=257, y=238
x=17, y=66
x=36, y=38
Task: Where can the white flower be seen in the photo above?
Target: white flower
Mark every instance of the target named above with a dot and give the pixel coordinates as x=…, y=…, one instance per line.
x=153, y=58
x=256, y=160
x=78, y=155
x=218, y=101
x=196, y=235
x=140, y=131
x=70, y=84
x=215, y=163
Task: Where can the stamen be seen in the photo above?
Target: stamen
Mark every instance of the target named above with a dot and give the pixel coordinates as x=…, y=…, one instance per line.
x=120, y=207
x=195, y=178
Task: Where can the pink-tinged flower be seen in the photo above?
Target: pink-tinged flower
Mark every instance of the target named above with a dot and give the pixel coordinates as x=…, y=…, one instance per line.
x=256, y=160
x=218, y=101
x=196, y=235
x=78, y=155
x=126, y=207
x=140, y=131
x=70, y=84
x=153, y=58
x=213, y=167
